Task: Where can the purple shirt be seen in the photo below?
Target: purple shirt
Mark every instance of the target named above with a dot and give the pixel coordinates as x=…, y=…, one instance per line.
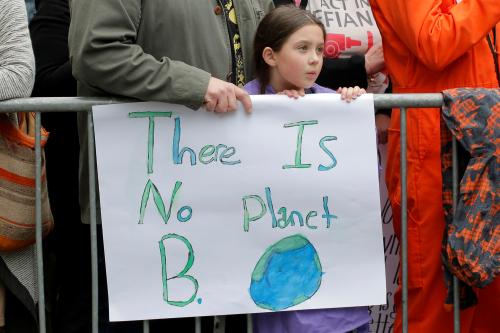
x=253, y=88
x=339, y=320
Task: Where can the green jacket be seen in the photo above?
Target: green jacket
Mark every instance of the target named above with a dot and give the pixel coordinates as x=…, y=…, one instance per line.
x=154, y=50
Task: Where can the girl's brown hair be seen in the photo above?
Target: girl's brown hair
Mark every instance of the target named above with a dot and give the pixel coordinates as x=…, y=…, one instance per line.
x=273, y=31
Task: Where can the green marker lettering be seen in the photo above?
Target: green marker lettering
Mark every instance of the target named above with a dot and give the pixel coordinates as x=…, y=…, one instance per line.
x=151, y=132
x=160, y=205
x=246, y=216
x=298, y=152
x=181, y=275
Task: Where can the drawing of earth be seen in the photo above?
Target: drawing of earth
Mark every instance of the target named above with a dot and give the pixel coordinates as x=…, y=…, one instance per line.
x=287, y=274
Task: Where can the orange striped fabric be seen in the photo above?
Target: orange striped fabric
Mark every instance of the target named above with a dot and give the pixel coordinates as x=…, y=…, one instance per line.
x=17, y=186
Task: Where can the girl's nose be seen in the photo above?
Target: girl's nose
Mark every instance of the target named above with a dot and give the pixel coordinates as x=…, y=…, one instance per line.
x=314, y=58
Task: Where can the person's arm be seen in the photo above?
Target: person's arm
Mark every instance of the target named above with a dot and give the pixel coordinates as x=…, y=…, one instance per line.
x=17, y=64
x=104, y=54
x=49, y=35
x=437, y=35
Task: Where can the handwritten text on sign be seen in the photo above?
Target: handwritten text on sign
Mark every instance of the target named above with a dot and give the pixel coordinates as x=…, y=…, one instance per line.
x=207, y=214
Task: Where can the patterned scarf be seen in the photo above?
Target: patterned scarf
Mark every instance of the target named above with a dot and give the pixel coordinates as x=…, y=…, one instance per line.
x=471, y=245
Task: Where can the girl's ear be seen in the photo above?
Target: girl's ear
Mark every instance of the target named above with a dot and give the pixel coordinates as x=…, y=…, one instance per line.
x=268, y=56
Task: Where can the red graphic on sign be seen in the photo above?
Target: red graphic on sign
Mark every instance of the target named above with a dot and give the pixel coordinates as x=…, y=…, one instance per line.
x=335, y=44
x=370, y=39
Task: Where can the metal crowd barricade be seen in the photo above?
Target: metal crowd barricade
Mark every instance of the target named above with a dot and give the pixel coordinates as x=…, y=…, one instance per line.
x=76, y=104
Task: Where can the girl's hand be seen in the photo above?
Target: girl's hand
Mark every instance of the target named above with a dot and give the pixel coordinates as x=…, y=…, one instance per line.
x=292, y=93
x=348, y=94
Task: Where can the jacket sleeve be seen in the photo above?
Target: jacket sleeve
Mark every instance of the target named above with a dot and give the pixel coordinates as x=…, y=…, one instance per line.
x=17, y=64
x=49, y=36
x=104, y=55
x=438, y=34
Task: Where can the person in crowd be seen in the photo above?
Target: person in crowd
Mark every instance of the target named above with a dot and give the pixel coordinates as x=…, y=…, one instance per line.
x=195, y=53
x=288, y=56
x=358, y=65
x=17, y=63
x=67, y=249
x=114, y=50
x=430, y=46
x=18, y=288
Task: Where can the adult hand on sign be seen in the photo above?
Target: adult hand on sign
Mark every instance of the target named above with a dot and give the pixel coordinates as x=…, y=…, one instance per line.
x=221, y=96
x=374, y=59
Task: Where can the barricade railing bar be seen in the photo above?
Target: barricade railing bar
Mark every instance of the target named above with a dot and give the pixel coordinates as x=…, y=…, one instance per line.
x=84, y=104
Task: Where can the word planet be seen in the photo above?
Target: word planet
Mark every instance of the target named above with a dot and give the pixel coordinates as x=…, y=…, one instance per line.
x=287, y=274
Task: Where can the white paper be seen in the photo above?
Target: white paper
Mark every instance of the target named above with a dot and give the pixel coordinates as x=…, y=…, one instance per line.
x=143, y=284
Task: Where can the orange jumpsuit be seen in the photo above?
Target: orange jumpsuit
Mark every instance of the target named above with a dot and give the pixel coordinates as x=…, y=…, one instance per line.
x=429, y=46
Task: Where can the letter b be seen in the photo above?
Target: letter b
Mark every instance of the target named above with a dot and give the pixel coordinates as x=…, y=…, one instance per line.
x=181, y=275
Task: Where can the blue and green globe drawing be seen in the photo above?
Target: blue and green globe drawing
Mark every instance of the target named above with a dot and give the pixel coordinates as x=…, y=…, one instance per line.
x=287, y=274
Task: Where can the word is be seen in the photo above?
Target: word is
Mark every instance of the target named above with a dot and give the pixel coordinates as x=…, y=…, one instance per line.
x=298, y=151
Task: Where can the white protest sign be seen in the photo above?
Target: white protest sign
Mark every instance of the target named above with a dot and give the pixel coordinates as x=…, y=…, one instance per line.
x=210, y=214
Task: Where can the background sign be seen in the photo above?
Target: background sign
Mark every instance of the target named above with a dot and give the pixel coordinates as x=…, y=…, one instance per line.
x=383, y=315
x=350, y=26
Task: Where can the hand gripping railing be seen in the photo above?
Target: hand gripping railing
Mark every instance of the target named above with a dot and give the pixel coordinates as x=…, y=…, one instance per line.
x=78, y=104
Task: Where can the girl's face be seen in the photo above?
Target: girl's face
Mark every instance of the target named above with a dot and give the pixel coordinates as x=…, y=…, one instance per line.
x=297, y=65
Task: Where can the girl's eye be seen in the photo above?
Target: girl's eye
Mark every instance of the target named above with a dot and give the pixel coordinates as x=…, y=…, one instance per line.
x=302, y=47
x=320, y=49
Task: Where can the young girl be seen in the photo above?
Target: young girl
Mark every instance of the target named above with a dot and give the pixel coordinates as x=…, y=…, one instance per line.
x=288, y=55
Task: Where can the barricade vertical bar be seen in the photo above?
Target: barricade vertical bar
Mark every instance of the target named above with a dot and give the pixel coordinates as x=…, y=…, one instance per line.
x=38, y=217
x=93, y=222
x=456, y=306
x=456, y=297
x=197, y=325
x=404, y=221
x=219, y=324
x=249, y=323
x=145, y=327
